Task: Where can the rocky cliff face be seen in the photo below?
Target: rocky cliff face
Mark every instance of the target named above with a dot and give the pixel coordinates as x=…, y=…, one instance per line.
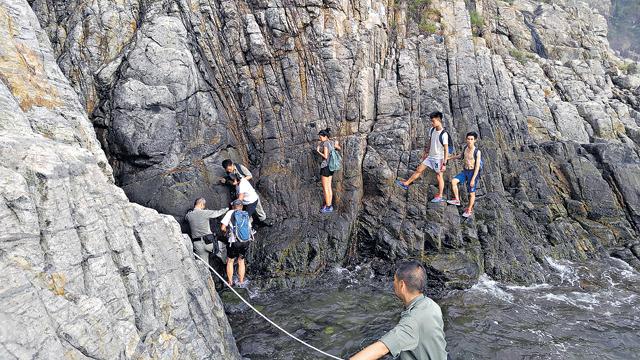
x=175, y=86
x=84, y=272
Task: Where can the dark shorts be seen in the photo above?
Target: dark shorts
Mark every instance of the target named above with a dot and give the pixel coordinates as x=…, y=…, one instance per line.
x=209, y=239
x=251, y=208
x=465, y=177
x=237, y=250
x=326, y=172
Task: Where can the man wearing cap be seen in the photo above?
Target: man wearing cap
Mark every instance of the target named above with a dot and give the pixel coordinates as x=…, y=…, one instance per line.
x=204, y=242
x=420, y=333
x=245, y=192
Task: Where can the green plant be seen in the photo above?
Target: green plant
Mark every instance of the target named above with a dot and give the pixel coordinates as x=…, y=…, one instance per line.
x=477, y=22
x=520, y=56
x=428, y=26
x=633, y=68
x=416, y=7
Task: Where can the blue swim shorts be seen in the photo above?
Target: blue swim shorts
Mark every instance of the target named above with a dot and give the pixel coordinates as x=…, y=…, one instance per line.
x=465, y=177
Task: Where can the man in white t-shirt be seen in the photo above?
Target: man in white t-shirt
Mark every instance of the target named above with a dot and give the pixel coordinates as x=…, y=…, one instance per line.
x=435, y=157
x=246, y=193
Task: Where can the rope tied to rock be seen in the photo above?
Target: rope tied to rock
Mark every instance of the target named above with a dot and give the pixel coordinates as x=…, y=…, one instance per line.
x=264, y=316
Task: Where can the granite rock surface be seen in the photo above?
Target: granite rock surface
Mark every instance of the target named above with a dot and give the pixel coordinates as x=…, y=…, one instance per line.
x=84, y=273
x=174, y=87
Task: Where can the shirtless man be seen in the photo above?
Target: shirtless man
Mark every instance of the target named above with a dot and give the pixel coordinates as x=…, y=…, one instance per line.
x=470, y=173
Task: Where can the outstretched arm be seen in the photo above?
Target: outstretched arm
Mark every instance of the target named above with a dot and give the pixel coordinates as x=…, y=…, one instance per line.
x=374, y=351
x=216, y=213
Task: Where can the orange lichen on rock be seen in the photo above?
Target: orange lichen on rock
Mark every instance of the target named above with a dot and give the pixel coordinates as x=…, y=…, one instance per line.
x=22, y=70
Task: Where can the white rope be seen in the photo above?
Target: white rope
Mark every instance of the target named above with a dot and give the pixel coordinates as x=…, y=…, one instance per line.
x=263, y=316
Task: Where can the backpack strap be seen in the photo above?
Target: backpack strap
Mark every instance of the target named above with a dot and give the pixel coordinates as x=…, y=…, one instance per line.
x=475, y=155
x=444, y=131
x=239, y=169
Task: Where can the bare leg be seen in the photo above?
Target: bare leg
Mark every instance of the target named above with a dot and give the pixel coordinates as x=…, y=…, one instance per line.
x=241, y=270
x=454, y=188
x=472, y=200
x=329, y=198
x=326, y=189
x=421, y=168
x=230, y=270
x=440, y=177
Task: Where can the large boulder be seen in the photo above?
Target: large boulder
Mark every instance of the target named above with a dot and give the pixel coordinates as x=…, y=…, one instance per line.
x=85, y=273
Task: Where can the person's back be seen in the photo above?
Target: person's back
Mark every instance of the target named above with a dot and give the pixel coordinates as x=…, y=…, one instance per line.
x=420, y=332
x=204, y=241
x=425, y=318
x=199, y=221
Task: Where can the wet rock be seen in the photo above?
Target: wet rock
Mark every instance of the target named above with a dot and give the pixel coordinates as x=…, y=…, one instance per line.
x=195, y=83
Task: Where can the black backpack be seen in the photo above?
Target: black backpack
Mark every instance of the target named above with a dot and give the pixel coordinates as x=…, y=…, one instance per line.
x=444, y=131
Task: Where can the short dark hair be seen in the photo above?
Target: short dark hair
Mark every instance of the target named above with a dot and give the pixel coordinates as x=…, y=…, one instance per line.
x=413, y=274
x=226, y=163
x=199, y=201
x=232, y=177
x=436, y=114
x=326, y=132
x=472, y=133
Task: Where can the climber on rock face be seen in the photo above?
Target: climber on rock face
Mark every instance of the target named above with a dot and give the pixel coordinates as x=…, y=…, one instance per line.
x=245, y=193
x=434, y=157
x=204, y=242
x=241, y=172
x=235, y=247
x=420, y=333
x=324, y=148
x=470, y=173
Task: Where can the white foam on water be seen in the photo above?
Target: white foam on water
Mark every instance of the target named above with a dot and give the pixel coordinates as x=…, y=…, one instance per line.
x=621, y=264
x=341, y=270
x=568, y=300
x=540, y=334
x=489, y=286
x=566, y=272
x=528, y=288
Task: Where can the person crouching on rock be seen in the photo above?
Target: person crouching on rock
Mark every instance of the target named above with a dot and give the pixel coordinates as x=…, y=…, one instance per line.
x=236, y=247
x=245, y=193
x=434, y=157
x=324, y=149
x=241, y=172
x=204, y=242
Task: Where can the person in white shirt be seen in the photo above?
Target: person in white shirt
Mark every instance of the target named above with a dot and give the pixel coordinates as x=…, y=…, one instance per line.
x=235, y=248
x=245, y=192
x=434, y=157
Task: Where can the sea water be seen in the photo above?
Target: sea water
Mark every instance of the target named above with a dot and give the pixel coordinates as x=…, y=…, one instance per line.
x=581, y=311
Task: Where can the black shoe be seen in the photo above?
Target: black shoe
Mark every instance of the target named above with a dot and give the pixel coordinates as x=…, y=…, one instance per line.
x=267, y=222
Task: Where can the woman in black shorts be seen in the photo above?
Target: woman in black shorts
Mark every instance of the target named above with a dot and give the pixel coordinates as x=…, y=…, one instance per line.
x=324, y=149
